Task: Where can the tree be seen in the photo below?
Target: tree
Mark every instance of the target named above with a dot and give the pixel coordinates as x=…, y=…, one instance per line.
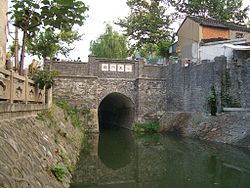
x=147, y=26
x=224, y=10
x=48, y=43
x=32, y=15
x=111, y=44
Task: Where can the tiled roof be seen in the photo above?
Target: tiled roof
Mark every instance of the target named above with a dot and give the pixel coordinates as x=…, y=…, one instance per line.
x=219, y=24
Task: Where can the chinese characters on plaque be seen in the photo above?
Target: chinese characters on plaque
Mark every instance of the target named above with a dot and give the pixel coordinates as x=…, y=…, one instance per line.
x=112, y=67
x=116, y=68
x=105, y=67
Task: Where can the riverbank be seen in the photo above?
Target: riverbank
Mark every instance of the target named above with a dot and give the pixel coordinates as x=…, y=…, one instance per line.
x=230, y=127
x=39, y=151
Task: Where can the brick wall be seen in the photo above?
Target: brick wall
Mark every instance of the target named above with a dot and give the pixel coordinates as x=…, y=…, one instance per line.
x=3, y=29
x=212, y=32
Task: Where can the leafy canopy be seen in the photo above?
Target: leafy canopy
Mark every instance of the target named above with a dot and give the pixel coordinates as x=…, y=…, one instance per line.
x=111, y=44
x=28, y=15
x=49, y=43
x=57, y=15
x=224, y=10
x=147, y=26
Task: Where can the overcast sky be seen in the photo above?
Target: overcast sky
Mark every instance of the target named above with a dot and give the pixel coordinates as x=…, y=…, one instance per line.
x=102, y=12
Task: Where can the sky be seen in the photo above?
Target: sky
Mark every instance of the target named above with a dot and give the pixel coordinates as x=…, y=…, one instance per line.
x=100, y=13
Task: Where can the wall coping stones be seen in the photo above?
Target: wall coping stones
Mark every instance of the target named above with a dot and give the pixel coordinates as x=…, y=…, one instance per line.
x=9, y=111
x=236, y=110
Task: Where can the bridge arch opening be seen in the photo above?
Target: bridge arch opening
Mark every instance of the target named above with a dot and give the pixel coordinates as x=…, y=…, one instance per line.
x=116, y=110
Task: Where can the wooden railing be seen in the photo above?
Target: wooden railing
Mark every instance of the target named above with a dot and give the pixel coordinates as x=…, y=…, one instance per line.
x=16, y=88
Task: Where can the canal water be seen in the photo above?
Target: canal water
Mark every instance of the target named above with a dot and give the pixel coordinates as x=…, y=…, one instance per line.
x=119, y=158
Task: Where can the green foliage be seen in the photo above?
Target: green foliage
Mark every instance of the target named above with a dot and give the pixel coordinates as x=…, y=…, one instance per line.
x=59, y=172
x=48, y=43
x=44, y=78
x=111, y=44
x=32, y=15
x=224, y=10
x=11, y=49
x=212, y=101
x=226, y=99
x=151, y=127
x=72, y=112
x=147, y=27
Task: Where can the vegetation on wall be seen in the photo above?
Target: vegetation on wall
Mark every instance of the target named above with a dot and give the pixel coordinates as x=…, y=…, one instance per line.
x=227, y=100
x=74, y=114
x=59, y=172
x=151, y=127
x=71, y=111
x=212, y=101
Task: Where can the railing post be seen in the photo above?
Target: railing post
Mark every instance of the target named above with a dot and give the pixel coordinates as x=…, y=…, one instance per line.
x=26, y=82
x=11, y=86
x=49, y=98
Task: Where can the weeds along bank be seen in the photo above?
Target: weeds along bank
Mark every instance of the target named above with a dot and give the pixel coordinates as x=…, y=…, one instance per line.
x=40, y=151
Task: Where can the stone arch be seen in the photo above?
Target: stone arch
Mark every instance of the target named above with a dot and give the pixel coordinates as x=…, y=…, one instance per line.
x=116, y=110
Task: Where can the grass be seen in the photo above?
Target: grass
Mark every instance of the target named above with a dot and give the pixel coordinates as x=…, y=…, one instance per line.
x=72, y=112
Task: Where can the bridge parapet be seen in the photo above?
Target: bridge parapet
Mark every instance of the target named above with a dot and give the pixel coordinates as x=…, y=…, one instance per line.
x=109, y=68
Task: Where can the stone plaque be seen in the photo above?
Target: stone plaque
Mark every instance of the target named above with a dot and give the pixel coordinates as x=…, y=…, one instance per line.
x=105, y=67
x=120, y=68
x=112, y=67
x=128, y=68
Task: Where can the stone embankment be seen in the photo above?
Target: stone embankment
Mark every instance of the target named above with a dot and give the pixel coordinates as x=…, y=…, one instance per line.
x=32, y=147
x=229, y=127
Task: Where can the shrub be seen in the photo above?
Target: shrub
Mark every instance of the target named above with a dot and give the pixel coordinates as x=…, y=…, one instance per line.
x=151, y=127
x=59, y=172
x=212, y=101
x=44, y=78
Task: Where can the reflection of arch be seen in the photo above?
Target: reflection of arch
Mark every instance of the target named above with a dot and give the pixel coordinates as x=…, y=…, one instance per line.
x=116, y=148
x=116, y=109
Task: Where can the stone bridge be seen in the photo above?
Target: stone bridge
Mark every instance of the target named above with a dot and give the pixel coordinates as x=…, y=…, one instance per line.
x=121, y=92
x=118, y=92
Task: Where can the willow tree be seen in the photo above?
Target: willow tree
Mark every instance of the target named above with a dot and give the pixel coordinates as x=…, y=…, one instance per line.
x=57, y=15
x=147, y=26
x=110, y=44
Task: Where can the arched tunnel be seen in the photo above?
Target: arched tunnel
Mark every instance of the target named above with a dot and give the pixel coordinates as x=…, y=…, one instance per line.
x=116, y=110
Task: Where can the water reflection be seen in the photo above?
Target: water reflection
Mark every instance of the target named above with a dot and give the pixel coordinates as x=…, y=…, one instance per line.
x=116, y=148
x=120, y=159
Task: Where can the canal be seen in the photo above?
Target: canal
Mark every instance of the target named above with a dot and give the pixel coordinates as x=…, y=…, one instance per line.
x=118, y=158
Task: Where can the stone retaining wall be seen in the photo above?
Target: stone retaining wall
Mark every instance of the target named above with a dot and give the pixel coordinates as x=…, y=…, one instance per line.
x=31, y=147
x=230, y=127
x=11, y=111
